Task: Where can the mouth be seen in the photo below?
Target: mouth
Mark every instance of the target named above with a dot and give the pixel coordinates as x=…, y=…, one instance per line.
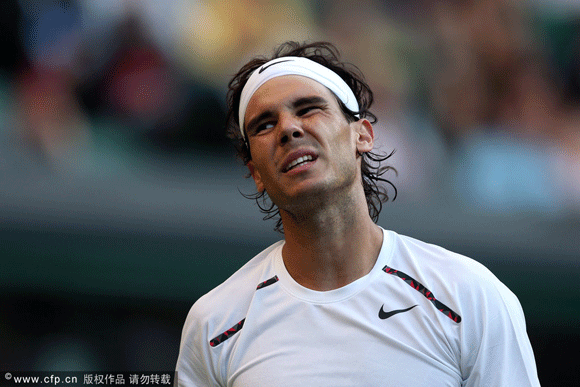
x=298, y=162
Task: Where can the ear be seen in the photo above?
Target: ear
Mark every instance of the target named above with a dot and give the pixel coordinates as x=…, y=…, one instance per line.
x=256, y=176
x=365, y=135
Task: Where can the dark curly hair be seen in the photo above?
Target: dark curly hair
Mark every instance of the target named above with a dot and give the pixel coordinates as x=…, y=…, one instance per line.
x=327, y=55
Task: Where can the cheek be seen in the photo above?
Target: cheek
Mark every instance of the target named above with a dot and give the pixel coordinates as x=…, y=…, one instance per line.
x=256, y=150
x=345, y=142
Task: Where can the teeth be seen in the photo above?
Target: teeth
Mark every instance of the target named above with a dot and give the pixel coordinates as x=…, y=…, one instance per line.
x=299, y=160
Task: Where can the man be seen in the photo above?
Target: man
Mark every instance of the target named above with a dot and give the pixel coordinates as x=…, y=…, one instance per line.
x=341, y=301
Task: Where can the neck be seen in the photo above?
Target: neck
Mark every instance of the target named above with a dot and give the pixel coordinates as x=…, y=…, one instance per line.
x=330, y=247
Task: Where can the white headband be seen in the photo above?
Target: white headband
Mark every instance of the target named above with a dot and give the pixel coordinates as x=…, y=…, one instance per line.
x=292, y=65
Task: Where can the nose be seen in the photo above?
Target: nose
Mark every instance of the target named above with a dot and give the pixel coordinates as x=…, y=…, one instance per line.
x=289, y=128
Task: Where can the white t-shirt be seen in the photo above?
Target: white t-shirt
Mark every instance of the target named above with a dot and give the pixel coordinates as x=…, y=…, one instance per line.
x=423, y=316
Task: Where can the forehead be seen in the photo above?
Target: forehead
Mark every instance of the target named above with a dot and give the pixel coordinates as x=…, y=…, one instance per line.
x=283, y=90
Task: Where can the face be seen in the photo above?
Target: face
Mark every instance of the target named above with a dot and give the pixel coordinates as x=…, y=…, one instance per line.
x=302, y=146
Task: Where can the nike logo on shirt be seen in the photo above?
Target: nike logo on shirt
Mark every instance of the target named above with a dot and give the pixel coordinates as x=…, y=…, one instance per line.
x=384, y=315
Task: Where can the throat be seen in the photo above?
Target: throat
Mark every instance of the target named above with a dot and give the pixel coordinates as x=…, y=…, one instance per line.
x=332, y=259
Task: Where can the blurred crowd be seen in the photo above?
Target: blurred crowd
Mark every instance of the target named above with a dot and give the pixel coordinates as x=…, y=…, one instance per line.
x=480, y=98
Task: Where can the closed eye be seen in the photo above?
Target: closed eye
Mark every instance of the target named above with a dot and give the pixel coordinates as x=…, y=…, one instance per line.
x=305, y=110
x=308, y=104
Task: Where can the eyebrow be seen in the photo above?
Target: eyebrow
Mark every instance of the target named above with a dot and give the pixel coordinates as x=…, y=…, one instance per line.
x=299, y=102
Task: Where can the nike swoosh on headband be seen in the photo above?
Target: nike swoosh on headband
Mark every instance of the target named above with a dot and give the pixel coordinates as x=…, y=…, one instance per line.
x=272, y=64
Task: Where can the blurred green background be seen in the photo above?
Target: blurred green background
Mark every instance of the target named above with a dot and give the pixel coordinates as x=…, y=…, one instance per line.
x=120, y=196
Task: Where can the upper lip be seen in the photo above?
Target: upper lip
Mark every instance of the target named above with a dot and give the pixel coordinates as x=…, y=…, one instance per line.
x=295, y=155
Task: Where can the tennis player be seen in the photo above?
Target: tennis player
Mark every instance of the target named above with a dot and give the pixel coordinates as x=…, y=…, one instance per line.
x=341, y=301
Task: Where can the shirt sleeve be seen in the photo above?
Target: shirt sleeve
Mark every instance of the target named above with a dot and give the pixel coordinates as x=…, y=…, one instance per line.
x=496, y=350
x=195, y=365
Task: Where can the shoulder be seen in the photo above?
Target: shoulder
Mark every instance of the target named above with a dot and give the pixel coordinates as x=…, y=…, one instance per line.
x=233, y=295
x=464, y=284
x=492, y=333
x=441, y=265
x=218, y=312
